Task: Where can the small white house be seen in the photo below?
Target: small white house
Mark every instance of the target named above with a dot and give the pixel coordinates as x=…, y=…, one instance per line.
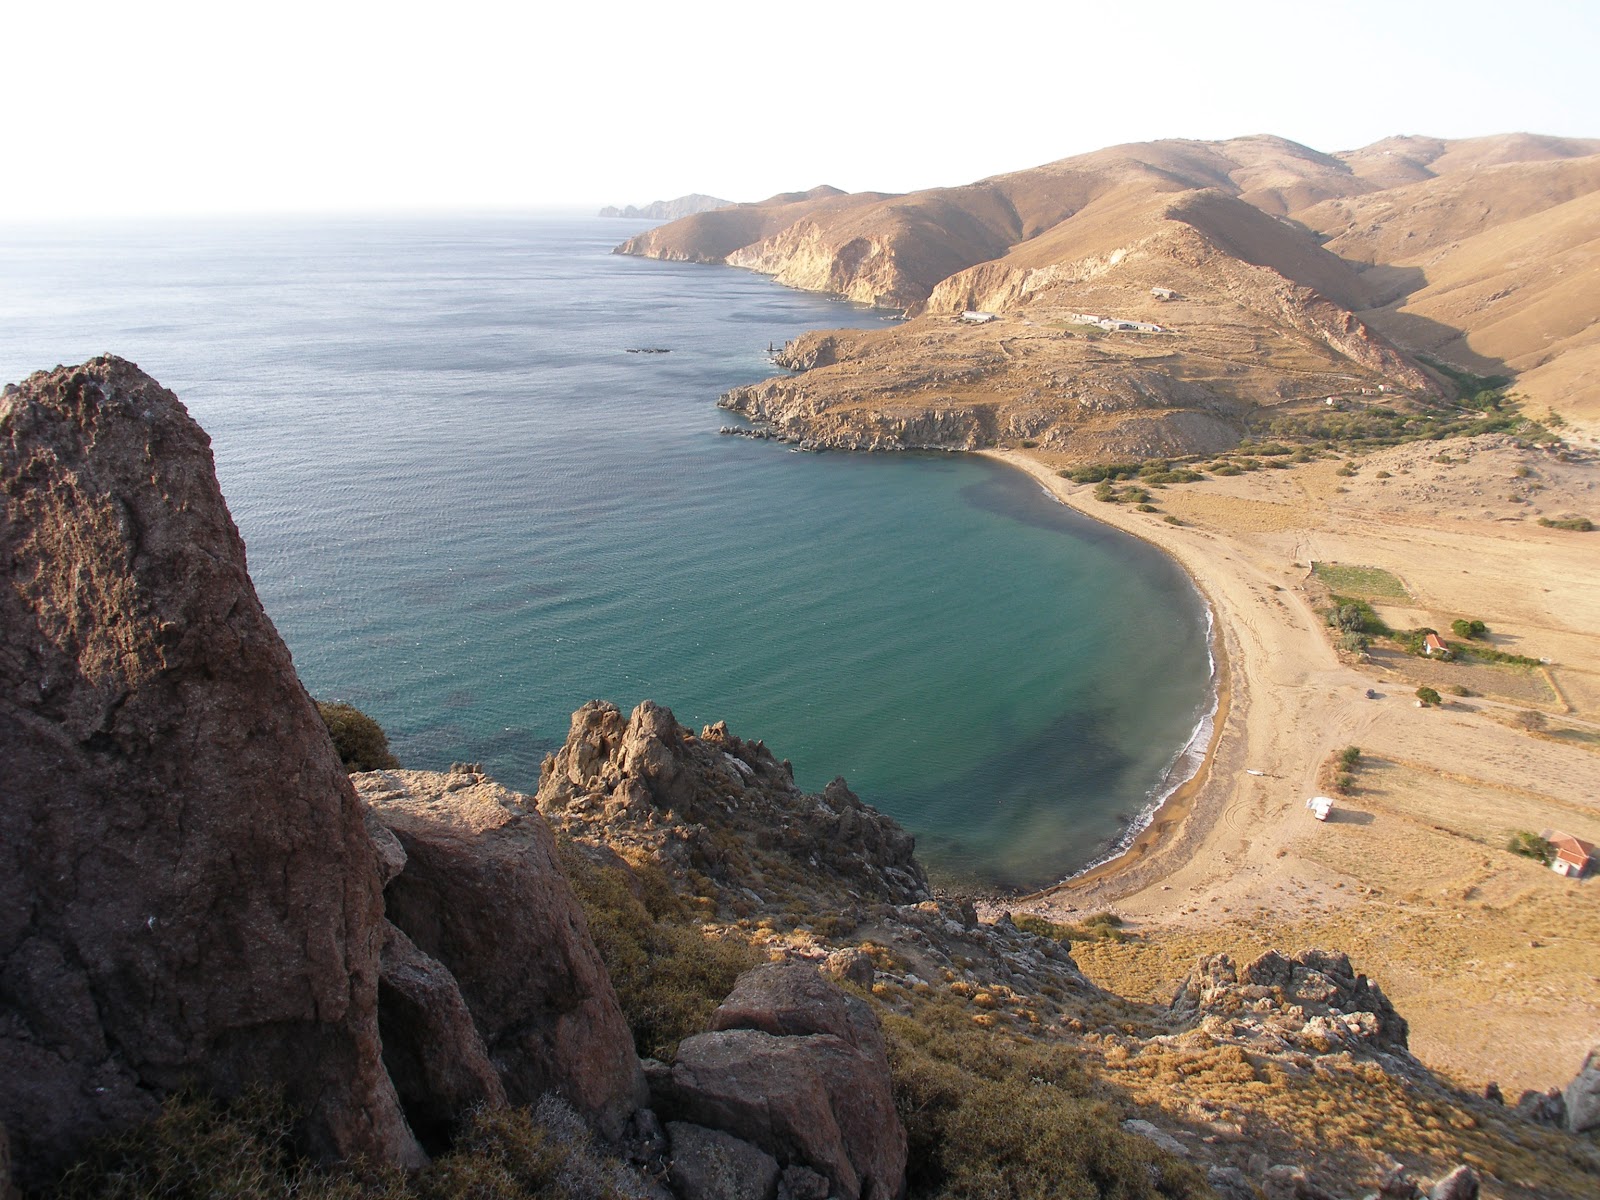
x=1320, y=806
x=978, y=318
x=1573, y=857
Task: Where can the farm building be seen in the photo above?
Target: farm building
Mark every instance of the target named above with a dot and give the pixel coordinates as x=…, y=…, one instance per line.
x=1573, y=857
x=978, y=318
x=1433, y=646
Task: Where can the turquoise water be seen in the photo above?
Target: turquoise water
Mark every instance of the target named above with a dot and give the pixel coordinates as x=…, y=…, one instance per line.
x=469, y=509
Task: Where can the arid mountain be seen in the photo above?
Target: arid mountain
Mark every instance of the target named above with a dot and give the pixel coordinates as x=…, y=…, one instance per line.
x=668, y=210
x=1276, y=275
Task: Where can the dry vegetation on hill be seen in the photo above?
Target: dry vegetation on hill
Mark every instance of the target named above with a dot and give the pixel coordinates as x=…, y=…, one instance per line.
x=1285, y=275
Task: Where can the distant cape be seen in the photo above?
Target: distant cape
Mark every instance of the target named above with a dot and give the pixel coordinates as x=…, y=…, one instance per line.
x=668, y=210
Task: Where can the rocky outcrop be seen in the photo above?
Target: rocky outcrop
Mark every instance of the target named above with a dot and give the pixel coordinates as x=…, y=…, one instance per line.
x=718, y=806
x=1582, y=1097
x=1314, y=1001
x=187, y=892
x=797, y=1068
x=480, y=891
x=668, y=210
x=431, y=1048
x=708, y=1164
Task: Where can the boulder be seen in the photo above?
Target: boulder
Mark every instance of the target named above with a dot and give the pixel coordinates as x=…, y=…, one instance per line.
x=430, y=1046
x=708, y=1164
x=795, y=1066
x=482, y=893
x=852, y=966
x=1543, y=1108
x=187, y=892
x=1460, y=1184
x=1582, y=1097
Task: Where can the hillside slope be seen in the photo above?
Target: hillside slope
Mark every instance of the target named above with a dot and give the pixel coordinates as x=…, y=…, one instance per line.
x=1275, y=273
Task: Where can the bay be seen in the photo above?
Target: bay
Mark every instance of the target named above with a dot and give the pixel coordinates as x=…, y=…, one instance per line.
x=469, y=508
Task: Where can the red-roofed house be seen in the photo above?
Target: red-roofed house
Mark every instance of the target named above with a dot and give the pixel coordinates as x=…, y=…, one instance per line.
x=1434, y=647
x=1573, y=857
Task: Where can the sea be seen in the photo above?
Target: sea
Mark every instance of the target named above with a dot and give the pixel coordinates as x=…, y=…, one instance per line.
x=472, y=502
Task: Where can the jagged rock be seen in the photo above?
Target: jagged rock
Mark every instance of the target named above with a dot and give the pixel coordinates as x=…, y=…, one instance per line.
x=798, y=1068
x=1542, y=1108
x=481, y=892
x=717, y=805
x=187, y=892
x=852, y=965
x=430, y=1047
x=708, y=1164
x=1582, y=1097
x=1460, y=1184
x=1315, y=1000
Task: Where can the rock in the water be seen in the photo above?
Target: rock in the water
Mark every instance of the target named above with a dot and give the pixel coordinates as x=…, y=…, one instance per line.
x=798, y=1068
x=1582, y=1097
x=431, y=1048
x=481, y=892
x=708, y=1164
x=1460, y=1184
x=187, y=892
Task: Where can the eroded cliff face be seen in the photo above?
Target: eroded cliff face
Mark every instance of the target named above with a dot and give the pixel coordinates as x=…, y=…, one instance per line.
x=187, y=890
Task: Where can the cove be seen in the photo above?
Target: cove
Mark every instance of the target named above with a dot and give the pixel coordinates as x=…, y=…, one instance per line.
x=469, y=508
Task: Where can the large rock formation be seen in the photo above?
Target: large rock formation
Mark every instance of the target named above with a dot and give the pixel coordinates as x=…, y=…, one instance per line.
x=480, y=891
x=1582, y=1097
x=1314, y=1000
x=797, y=1068
x=187, y=892
x=718, y=806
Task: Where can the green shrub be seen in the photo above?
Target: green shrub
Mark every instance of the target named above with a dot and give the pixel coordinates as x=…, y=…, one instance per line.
x=198, y=1149
x=669, y=974
x=989, y=1116
x=1468, y=629
x=1147, y=508
x=1531, y=845
x=1349, y=756
x=1429, y=697
x=360, y=741
x=1575, y=524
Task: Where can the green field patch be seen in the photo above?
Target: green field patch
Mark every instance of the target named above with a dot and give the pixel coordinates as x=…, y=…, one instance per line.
x=1373, y=583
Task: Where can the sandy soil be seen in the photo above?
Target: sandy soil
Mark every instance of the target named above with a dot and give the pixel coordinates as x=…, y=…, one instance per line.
x=1495, y=959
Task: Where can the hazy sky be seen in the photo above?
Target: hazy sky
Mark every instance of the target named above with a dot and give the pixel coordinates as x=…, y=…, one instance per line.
x=152, y=106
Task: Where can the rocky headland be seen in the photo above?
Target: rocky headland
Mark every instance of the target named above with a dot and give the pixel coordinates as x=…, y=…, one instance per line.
x=1171, y=297
x=668, y=210
x=691, y=977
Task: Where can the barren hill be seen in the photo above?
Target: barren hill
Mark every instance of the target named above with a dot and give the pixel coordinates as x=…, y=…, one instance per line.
x=1274, y=273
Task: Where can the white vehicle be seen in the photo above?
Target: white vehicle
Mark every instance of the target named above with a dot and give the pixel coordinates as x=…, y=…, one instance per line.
x=1320, y=807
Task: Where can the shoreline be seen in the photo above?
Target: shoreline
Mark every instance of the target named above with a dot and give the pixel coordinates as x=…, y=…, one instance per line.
x=1171, y=815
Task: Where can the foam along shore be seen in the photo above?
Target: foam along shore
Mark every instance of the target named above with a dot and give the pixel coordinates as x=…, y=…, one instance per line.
x=1234, y=852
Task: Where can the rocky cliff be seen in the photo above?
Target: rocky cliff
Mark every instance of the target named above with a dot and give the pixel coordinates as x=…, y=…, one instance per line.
x=187, y=889
x=668, y=210
x=1271, y=273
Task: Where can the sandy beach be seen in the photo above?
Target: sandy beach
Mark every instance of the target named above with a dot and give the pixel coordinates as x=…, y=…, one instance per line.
x=1411, y=875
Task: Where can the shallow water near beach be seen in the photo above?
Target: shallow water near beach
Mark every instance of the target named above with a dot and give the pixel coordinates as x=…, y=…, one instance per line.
x=469, y=509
